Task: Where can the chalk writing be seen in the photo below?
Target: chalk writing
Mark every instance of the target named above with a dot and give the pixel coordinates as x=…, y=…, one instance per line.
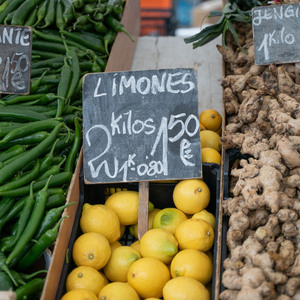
x=15, y=59
x=141, y=125
x=276, y=31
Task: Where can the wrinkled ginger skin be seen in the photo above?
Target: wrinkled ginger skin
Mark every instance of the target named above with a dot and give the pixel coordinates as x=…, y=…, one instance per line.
x=262, y=107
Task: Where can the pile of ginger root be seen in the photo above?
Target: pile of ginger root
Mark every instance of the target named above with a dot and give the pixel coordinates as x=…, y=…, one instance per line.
x=262, y=107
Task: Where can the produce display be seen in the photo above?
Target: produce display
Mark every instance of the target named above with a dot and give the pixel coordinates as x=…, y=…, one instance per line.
x=262, y=105
x=173, y=259
x=40, y=133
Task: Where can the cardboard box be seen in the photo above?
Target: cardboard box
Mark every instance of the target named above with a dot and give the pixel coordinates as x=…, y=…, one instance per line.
x=120, y=59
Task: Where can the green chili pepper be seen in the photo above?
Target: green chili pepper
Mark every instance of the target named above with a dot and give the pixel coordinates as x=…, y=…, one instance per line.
x=29, y=128
x=81, y=20
x=63, y=87
x=56, y=180
x=116, y=25
x=32, y=287
x=41, y=13
x=6, y=204
x=33, y=223
x=22, y=278
x=71, y=158
x=10, y=169
x=55, y=169
x=45, y=54
x=69, y=12
x=19, y=114
x=89, y=40
x=64, y=141
x=21, y=98
x=50, y=14
x=75, y=76
x=23, y=11
x=99, y=26
x=48, y=159
x=60, y=22
x=46, y=240
x=49, y=63
x=32, y=139
x=48, y=46
x=109, y=39
x=23, y=219
x=27, y=177
x=52, y=36
x=51, y=217
x=12, y=152
x=17, y=207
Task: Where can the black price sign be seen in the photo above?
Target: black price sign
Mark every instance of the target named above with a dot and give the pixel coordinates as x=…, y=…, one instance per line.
x=276, y=33
x=141, y=126
x=15, y=57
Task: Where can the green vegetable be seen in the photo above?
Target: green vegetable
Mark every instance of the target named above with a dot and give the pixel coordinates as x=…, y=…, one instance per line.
x=32, y=224
x=232, y=12
x=45, y=241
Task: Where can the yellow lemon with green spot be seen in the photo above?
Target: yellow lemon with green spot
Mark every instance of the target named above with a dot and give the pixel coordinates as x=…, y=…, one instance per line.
x=160, y=244
x=168, y=219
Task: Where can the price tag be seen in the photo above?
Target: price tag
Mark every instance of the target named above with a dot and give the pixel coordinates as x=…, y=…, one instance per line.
x=141, y=126
x=276, y=33
x=15, y=58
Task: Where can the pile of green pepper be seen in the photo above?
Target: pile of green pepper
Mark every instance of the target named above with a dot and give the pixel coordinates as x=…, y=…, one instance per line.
x=41, y=133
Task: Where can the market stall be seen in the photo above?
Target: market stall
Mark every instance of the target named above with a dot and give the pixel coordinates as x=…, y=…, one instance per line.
x=92, y=160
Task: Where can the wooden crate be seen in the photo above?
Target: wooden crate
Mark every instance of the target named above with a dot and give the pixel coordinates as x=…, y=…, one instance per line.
x=120, y=59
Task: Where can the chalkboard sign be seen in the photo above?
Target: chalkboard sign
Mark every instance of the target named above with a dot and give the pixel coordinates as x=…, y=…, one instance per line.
x=141, y=126
x=15, y=57
x=276, y=33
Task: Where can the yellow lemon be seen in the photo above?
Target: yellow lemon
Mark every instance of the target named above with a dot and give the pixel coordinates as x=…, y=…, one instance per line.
x=206, y=216
x=210, y=155
x=118, y=291
x=210, y=139
x=136, y=245
x=126, y=206
x=79, y=294
x=185, y=288
x=168, y=219
x=211, y=119
x=133, y=229
x=192, y=263
x=91, y=249
x=160, y=244
x=120, y=260
x=85, y=277
x=195, y=234
x=152, y=298
x=191, y=195
x=115, y=245
x=102, y=219
x=148, y=276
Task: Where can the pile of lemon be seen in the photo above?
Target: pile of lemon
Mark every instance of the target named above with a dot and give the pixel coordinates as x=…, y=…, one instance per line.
x=172, y=260
x=210, y=131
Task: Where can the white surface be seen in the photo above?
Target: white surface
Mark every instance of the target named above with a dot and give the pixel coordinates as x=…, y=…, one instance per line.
x=172, y=52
